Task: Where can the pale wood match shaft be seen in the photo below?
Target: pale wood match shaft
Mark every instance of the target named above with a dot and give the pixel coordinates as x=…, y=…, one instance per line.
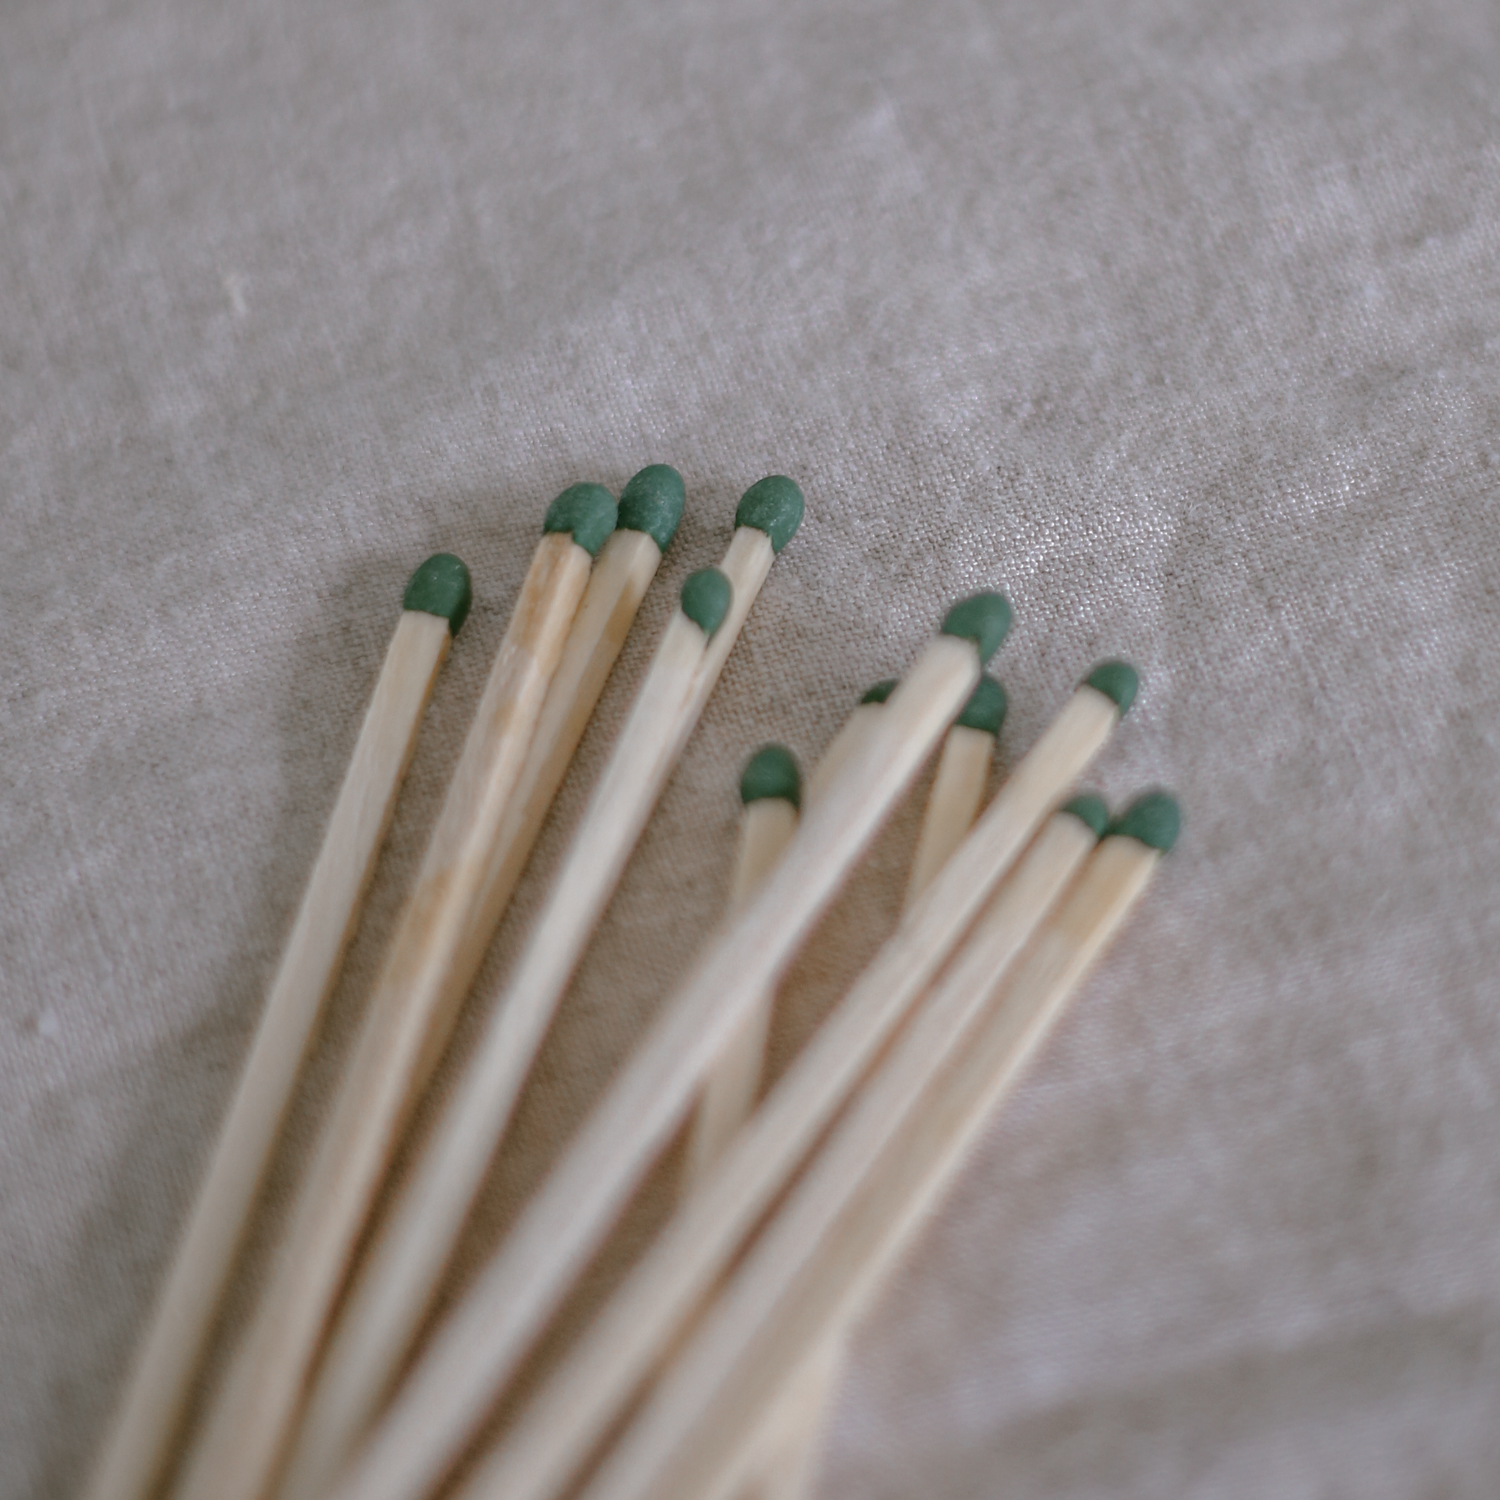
x=847, y=743
x=787, y=1446
x=963, y=770
x=161, y=1379
x=479, y=1345
x=783, y=1461
x=746, y=564
x=248, y=1425
x=870, y=1186
x=727, y=1102
x=622, y=573
x=402, y=1270
x=768, y=826
x=729, y=1093
x=589, y=1390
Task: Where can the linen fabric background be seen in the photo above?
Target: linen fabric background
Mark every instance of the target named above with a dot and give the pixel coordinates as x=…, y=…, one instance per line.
x=1175, y=320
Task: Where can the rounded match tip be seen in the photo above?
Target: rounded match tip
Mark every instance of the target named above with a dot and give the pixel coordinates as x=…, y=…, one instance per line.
x=880, y=692
x=981, y=618
x=1089, y=809
x=773, y=505
x=706, y=597
x=1153, y=819
x=441, y=587
x=1117, y=680
x=652, y=502
x=986, y=707
x=771, y=772
x=588, y=511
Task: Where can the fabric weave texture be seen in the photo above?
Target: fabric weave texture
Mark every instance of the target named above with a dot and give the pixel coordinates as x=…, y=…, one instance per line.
x=1175, y=321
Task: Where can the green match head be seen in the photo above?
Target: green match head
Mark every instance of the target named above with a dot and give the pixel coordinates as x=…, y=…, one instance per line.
x=771, y=772
x=1117, y=680
x=1090, y=810
x=1153, y=819
x=880, y=692
x=588, y=511
x=652, y=502
x=441, y=587
x=986, y=707
x=773, y=505
x=706, y=596
x=981, y=618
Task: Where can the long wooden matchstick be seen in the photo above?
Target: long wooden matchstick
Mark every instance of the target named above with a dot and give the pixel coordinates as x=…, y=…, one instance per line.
x=433, y=608
x=729, y=1091
x=771, y=790
x=729, y=1094
x=650, y=508
x=649, y=511
x=872, y=1183
x=478, y=1345
x=849, y=740
x=958, y=784
x=247, y=1427
x=787, y=1448
x=957, y=788
x=402, y=1270
x=592, y=1386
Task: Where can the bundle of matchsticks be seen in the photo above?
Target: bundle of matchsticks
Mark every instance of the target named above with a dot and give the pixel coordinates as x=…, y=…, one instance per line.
x=708, y=1372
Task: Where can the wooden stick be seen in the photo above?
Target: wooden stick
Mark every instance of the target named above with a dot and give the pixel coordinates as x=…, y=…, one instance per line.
x=958, y=785
x=544, y=1452
x=771, y=792
x=650, y=508
x=435, y=604
x=957, y=790
x=590, y=1389
x=871, y=1184
x=401, y=1271
x=479, y=1345
x=848, y=741
x=242, y=1443
x=787, y=1447
x=730, y=1090
x=729, y=1099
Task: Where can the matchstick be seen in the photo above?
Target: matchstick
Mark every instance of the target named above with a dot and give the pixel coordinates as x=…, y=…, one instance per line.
x=479, y=1344
x=782, y=1460
x=649, y=511
x=729, y=1092
x=787, y=1447
x=765, y=520
x=771, y=790
x=401, y=1271
x=434, y=606
x=849, y=740
x=873, y=1183
x=247, y=1427
x=591, y=1388
x=958, y=784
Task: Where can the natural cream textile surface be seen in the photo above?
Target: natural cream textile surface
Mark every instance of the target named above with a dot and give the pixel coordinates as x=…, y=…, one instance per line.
x=1179, y=322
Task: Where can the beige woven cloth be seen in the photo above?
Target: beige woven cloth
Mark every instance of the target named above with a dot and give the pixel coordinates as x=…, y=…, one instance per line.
x=1176, y=320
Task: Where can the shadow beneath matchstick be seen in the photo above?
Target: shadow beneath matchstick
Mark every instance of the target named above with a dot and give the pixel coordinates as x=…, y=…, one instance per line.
x=171, y=1102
